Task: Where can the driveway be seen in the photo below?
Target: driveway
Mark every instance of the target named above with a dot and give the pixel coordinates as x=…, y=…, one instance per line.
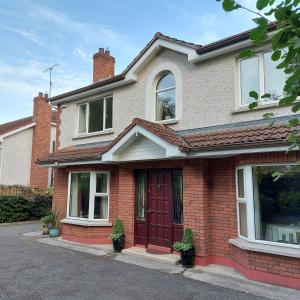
x=31, y=270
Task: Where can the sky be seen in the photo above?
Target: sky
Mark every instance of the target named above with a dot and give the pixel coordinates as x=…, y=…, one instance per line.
x=36, y=34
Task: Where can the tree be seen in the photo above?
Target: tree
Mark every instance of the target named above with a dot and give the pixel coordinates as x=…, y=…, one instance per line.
x=283, y=19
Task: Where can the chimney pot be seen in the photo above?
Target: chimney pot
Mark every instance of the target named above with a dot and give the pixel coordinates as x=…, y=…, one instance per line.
x=40, y=94
x=46, y=96
x=101, y=50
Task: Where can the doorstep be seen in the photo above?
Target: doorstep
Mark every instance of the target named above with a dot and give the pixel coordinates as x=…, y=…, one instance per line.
x=142, y=252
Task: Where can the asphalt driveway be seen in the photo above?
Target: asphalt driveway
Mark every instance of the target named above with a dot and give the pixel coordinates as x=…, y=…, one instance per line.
x=30, y=270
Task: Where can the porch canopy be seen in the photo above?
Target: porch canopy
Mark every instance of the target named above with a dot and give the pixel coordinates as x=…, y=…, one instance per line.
x=144, y=140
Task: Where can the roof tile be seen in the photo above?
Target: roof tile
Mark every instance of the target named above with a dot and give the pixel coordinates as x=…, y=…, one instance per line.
x=203, y=141
x=11, y=126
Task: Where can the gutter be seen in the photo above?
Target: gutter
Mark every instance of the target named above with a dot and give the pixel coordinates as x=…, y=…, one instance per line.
x=89, y=92
x=228, y=45
x=200, y=154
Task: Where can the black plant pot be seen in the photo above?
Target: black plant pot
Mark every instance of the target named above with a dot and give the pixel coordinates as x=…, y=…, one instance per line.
x=119, y=244
x=188, y=258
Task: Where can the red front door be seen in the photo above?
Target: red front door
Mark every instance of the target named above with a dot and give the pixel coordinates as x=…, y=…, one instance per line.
x=159, y=214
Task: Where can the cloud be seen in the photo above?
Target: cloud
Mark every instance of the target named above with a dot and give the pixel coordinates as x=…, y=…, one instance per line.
x=29, y=35
x=85, y=32
x=21, y=82
x=82, y=54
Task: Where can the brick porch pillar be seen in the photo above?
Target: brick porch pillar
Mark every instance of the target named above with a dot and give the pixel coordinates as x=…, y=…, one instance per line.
x=126, y=202
x=60, y=192
x=196, y=205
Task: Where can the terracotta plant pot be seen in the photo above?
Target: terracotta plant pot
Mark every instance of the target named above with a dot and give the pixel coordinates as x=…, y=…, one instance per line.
x=119, y=244
x=188, y=258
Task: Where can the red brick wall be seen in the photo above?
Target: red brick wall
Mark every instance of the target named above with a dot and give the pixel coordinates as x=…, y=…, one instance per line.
x=104, y=65
x=60, y=191
x=196, y=203
x=210, y=209
x=40, y=141
x=223, y=219
x=126, y=202
x=60, y=197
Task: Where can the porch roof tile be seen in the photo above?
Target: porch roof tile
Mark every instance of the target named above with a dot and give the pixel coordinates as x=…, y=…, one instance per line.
x=262, y=135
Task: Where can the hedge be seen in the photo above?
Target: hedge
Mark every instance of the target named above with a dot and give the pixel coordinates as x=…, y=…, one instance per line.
x=16, y=208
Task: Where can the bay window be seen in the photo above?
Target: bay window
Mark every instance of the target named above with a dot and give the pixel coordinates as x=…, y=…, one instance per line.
x=95, y=116
x=269, y=211
x=259, y=74
x=89, y=195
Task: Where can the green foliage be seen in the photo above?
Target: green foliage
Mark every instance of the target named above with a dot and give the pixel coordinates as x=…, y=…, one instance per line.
x=285, y=49
x=16, y=209
x=229, y=5
x=254, y=95
x=247, y=53
x=52, y=218
x=118, y=230
x=186, y=242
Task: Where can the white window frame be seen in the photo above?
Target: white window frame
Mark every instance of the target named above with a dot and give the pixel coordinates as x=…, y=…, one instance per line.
x=248, y=189
x=104, y=99
x=159, y=77
x=92, y=195
x=261, y=80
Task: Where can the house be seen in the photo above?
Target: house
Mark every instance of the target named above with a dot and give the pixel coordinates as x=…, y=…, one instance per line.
x=23, y=141
x=170, y=143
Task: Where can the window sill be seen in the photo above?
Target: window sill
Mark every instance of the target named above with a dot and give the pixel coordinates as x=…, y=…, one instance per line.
x=259, y=107
x=168, y=122
x=87, y=135
x=263, y=248
x=87, y=223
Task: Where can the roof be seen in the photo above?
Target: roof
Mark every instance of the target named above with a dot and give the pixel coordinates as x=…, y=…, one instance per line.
x=199, y=49
x=121, y=76
x=236, y=138
x=74, y=154
x=14, y=125
x=164, y=132
x=17, y=124
x=245, y=136
x=231, y=40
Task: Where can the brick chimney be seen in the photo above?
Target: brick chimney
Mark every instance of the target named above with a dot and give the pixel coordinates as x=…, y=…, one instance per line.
x=104, y=65
x=42, y=116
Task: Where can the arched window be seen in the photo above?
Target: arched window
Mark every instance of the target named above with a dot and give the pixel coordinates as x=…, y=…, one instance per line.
x=165, y=97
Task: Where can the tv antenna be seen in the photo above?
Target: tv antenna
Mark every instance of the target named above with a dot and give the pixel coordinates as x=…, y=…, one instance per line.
x=50, y=69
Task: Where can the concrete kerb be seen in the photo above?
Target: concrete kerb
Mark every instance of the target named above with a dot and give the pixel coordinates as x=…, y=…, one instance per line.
x=20, y=223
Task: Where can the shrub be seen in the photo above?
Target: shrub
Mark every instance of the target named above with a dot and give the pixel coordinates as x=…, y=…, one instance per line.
x=186, y=242
x=41, y=205
x=16, y=208
x=118, y=230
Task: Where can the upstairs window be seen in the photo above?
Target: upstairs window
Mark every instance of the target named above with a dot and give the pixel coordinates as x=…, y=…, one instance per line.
x=165, y=97
x=95, y=116
x=259, y=74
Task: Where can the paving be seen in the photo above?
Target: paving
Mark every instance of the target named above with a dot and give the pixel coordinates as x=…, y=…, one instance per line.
x=32, y=267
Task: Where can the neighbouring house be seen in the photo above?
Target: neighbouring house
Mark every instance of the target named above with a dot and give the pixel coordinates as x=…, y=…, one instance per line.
x=170, y=143
x=23, y=141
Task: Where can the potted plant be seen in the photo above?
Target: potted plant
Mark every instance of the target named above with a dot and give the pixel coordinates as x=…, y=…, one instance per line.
x=47, y=223
x=186, y=248
x=51, y=221
x=117, y=236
